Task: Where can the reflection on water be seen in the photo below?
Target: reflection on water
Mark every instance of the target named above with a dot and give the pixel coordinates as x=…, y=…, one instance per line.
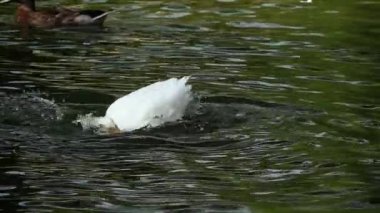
x=287, y=117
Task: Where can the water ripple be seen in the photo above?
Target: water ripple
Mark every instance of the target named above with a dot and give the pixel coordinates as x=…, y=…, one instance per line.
x=260, y=25
x=286, y=113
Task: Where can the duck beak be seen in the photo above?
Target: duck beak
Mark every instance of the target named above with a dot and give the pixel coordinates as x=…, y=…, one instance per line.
x=4, y=1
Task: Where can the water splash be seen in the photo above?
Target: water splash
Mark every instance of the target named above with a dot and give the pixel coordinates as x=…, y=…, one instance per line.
x=28, y=109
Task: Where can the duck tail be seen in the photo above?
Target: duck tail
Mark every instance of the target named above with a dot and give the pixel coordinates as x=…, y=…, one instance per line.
x=105, y=14
x=100, y=16
x=185, y=79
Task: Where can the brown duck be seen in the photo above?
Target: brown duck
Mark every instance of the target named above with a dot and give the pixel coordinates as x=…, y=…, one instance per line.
x=27, y=15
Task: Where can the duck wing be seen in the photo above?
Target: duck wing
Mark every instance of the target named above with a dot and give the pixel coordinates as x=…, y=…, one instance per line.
x=45, y=18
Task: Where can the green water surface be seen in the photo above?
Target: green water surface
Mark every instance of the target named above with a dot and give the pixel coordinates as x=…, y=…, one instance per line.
x=286, y=117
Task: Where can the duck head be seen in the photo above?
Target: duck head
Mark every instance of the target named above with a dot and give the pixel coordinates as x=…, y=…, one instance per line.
x=102, y=125
x=29, y=3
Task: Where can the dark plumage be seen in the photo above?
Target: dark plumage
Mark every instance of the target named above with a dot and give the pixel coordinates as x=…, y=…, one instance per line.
x=91, y=13
x=27, y=15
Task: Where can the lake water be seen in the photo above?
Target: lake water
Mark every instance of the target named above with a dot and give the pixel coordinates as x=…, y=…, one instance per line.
x=286, y=117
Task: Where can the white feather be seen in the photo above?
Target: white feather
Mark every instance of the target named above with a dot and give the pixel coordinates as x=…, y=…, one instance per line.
x=150, y=106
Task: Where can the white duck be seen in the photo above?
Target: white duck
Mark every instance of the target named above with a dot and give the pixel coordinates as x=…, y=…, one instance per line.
x=150, y=106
